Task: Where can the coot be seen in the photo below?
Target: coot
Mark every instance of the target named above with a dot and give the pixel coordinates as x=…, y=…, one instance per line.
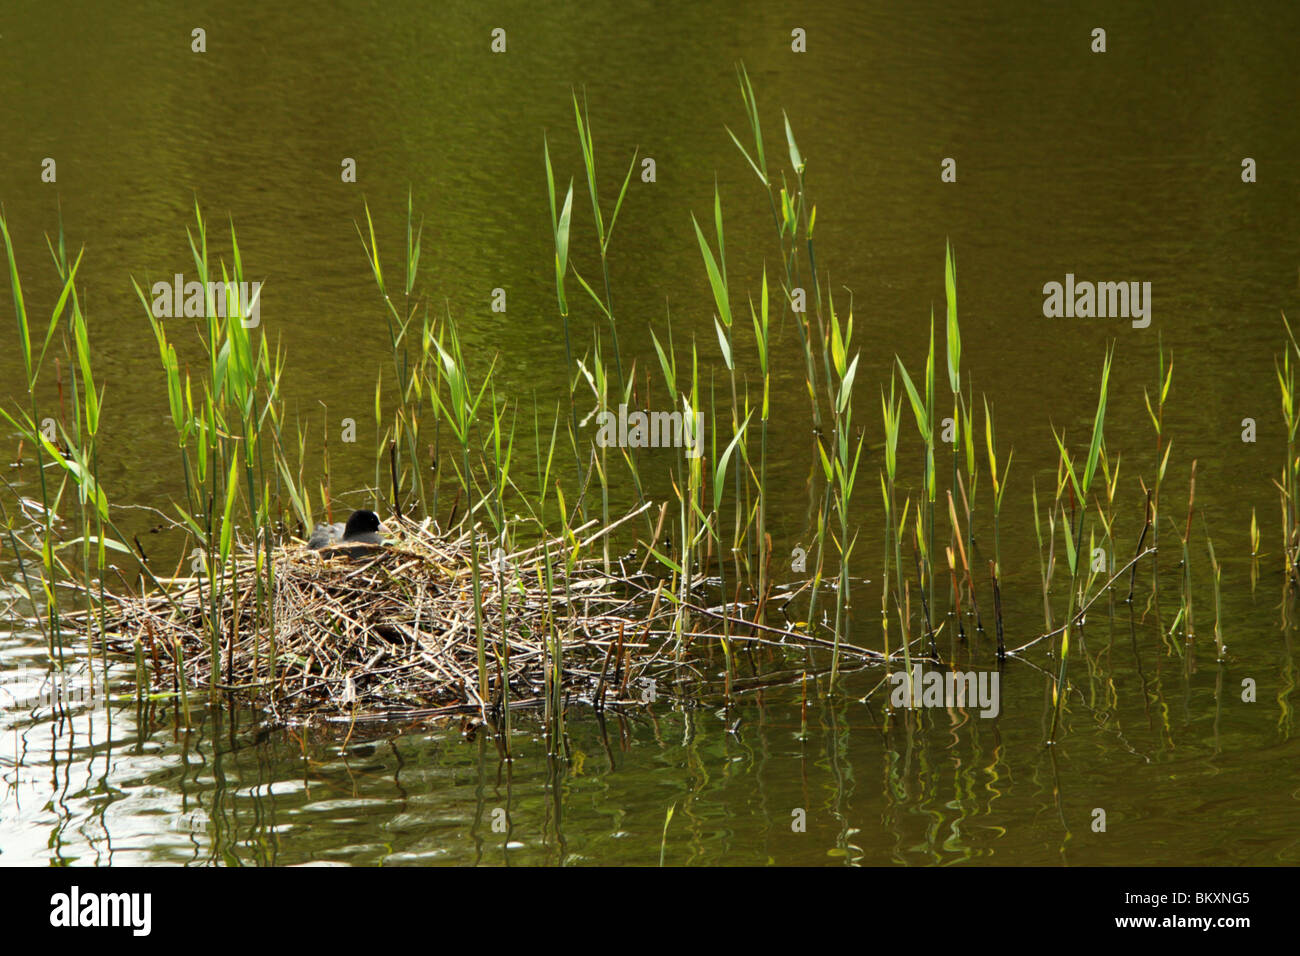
x=361, y=533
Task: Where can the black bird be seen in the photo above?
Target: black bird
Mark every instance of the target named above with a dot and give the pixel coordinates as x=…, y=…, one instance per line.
x=361, y=531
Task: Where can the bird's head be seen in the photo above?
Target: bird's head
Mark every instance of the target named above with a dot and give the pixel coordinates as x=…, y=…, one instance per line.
x=361, y=522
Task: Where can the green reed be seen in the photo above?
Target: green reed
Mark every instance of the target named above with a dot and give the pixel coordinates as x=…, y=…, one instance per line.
x=604, y=231
x=29, y=426
x=228, y=425
x=501, y=445
x=1218, y=580
x=82, y=448
x=73, y=445
x=716, y=270
x=712, y=524
x=1079, y=485
x=923, y=412
x=794, y=214
x=953, y=328
x=1106, y=508
x=683, y=491
x=410, y=365
x=762, y=339
x=840, y=467
x=966, y=484
x=1189, y=623
x=1290, y=486
x=891, y=413
x=999, y=485
x=691, y=478
x=460, y=409
x=560, y=224
x=553, y=704
x=1164, y=381
x=230, y=442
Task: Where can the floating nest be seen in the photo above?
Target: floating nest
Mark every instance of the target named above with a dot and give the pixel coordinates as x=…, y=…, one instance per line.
x=394, y=633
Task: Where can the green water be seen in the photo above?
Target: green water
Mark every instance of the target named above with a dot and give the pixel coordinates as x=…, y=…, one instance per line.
x=1117, y=166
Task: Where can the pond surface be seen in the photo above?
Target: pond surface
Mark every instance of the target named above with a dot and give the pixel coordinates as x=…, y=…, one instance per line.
x=1122, y=166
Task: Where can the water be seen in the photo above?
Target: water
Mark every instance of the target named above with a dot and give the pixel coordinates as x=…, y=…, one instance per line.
x=1119, y=166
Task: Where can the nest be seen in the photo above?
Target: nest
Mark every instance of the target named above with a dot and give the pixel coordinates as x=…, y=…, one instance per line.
x=394, y=634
